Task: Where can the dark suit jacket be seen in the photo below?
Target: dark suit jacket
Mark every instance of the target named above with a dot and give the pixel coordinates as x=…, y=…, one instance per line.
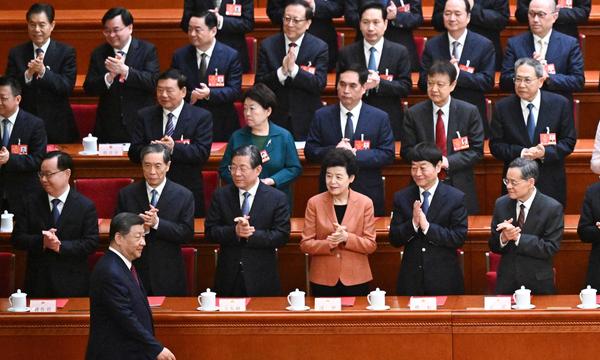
x=234, y=30
x=388, y=96
x=220, y=103
x=119, y=104
x=270, y=216
x=509, y=137
x=326, y=133
x=48, y=97
x=298, y=98
x=419, y=127
x=563, y=51
x=530, y=263
x=430, y=264
x=488, y=18
x=121, y=325
x=588, y=232
x=51, y=274
x=568, y=19
x=18, y=177
x=187, y=160
x=399, y=30
x=322, y=22
x=161, y=268
x=470, y=87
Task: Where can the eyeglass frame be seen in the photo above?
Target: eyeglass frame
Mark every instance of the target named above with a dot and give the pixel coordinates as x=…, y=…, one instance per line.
x=42, y=175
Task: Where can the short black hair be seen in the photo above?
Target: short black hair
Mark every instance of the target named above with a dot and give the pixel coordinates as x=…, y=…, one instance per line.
x=340, y=157
x=210, y=19
x=467, y=6
x=122, y=224
x=443, y=67
x=373, y=5
x=426, y=151
x=529, y=168
x=308, y=14
x=251, y=151
x=64, y=161
x=116, y=11
x=174, y=74
x=14, y=85
x=156, y=148
x=37, y=8
x=263, y=95
x=363, y=73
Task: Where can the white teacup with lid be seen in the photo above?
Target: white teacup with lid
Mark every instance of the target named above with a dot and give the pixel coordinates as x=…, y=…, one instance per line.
x=18, y=301
x=296, y=300
x=588, y=297
x=376, y=299
x=522, y=297
x=207, y=301
x=90, y=145
x=6, y=222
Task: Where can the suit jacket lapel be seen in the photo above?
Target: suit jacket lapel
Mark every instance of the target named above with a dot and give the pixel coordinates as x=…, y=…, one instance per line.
x=214, y=62
x=182, y=122
x=531, y=43
x=437, y=202
x=362, y=126
x=517, y=114
x=130, y=57
x=428, y=121
x=68, y=209
x=141, y=196
x=445, y=50
x=330, y=210
x=156, y=124
x=234, y=201
x=17, y=130
x=532, y=215
x=335, y=122
x=280, y=49
x=453, y=119
x=542, y=121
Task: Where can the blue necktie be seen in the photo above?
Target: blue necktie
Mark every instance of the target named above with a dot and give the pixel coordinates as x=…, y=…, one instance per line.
x=530, y=123
x=5, y=133
x=38, y=52
x=246, y=204
x=55, y=212
x=372, y=61
x=425, y=205
x=154, y=198
x=169, y=128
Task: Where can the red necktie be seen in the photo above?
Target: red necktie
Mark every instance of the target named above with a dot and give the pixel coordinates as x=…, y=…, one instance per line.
x=135, y=275
x=440, y=139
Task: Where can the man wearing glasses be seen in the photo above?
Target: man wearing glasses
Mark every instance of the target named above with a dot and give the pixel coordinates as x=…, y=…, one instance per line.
x=570, y=14
x=122, y=72
x=527, y=227
x=559, y=54
x=294, y=65
x=58, y=227
x=537, y=125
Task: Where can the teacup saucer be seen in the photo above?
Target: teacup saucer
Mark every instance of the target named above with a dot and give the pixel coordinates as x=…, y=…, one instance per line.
x=200, y=308
x=11, y=309
x=588, y=307
x=88, y=153
x=386, y=307
x=527, y=307
x=305, y=308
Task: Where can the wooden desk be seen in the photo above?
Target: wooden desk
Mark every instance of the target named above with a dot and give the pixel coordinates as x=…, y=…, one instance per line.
x=266, y=330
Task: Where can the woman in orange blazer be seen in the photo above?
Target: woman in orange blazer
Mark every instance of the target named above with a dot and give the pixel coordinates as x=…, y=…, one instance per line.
x=339, y=231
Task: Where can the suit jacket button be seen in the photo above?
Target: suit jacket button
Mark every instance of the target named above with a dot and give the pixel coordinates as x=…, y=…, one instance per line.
x=338, y=256
x=423, y=249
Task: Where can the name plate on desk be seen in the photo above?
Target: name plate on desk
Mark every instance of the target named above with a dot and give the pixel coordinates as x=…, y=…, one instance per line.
x=328, y=304
x=232, y=304
x=110, y=149
x=497, y=302
x=42, y=305
x=423, y=303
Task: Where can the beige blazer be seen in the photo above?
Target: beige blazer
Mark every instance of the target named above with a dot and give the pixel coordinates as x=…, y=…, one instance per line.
x=347, y=262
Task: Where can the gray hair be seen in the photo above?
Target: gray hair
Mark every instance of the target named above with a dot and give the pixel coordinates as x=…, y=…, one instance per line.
x=250, y=151
x=536, y=65
x=529, y=168
x=156, y=149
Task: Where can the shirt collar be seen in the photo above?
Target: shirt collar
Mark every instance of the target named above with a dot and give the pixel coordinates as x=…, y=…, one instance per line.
x=545, y=39
x=159, y=188
x=252, y=190
x=208, y=51
x=44, y=46
x=461, y=39
x=536, y=102
x=445, y=108
x=528, y=202
x=127, y=262
x=62, y=197
x=355, y=112
x=298, y=42
x=378, y=45
x=431, y=190
x=12, y=118
x=176, y=111
x=125, y=48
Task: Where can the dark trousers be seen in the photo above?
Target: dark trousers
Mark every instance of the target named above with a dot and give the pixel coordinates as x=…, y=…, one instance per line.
x=339, y=289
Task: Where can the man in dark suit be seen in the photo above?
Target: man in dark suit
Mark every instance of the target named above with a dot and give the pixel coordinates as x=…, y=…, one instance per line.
x=58, y=227
x=324, y=11
x=537, y=125
x=440, y=120
x=121, y=325
x=213, y=72
x=294, y=65
x=430, y=221
x=168, y=212
x=589, y=232
x=249, y=220
x=46, y=70
x=22, y=148
x=527, y=227
x=184, y=129
x=570, y=14
x=388, y=64
x=356, y=126
x=488, y=18
x=122, y=72
x=471, y=53
x=559, y=53
x=403, y=17
x=234, y=20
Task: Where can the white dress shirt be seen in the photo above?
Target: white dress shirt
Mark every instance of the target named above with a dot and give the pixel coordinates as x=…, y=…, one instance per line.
x=208, y=53
x=538, y=41
x=344, y=116
x=11, y=123
x=252, y=192
x=62, y=198
x=127, y=262
x=445, y=116
x=527, y=204
x=176, y=112
x=378, y=50
x=294, y=70
x=159, y=189
x=460, y=46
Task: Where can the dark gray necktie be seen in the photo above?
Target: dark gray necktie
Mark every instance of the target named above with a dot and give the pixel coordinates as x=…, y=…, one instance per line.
x=454, y=49
x=38, y=52
x=154, y=199
x=5, y=133
x=246, y=204
x=349, y=130
x=170, y=127
x=203, y=66
x=55, y=212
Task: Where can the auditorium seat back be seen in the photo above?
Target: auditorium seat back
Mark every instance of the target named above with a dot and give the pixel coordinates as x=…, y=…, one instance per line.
x=103, y=192
x=341, y=39
x=7, y=274
x=420, y=45
x=252, y=45
x=85, y=118
x=93, y=259
x=239, y=109
x=211, y=182
x=190, y=258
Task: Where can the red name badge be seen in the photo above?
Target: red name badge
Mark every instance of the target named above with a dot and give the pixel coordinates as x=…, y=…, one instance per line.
x=460, y=143
x=387, y=77
x=466, y=68
x=183, y=141
x=548, y=138
x=233, y=10
x=52, y=147
x=265, y=156
x=216, y=80
x=550, y=69
x=405, y=8
x=20, y=149
x=308, y=68
x=362, y=144
x=565, y=4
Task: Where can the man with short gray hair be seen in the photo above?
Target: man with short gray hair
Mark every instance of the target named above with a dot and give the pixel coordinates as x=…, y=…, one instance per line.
x=527, y=227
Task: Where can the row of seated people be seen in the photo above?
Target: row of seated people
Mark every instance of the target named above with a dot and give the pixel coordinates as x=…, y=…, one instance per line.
x=293, y=64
